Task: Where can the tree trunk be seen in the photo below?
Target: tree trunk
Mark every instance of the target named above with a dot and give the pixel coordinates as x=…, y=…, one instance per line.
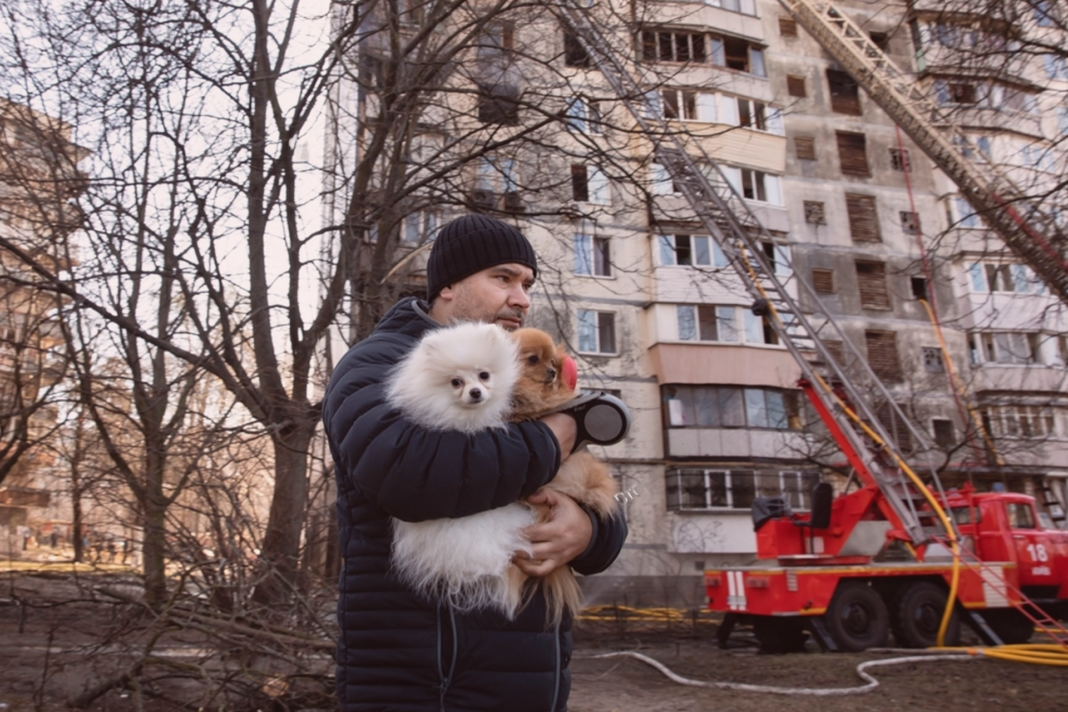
x=154, y=547
x=280, y=554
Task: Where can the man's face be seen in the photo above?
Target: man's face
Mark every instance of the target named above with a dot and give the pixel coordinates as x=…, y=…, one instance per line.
x=498, y=295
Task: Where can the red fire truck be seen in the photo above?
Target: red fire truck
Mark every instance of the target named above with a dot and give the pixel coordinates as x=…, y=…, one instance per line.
x=846, y=574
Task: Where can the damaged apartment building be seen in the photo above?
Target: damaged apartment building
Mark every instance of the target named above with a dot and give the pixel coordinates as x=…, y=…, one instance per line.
x=958, y=329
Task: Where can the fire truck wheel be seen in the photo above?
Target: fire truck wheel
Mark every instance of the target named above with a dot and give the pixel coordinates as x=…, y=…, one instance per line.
x=857, y=618
x=918, y=616
x=780, y=635
x=1011, y=626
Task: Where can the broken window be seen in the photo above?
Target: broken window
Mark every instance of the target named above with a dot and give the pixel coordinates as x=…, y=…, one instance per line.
x=882, y=354
x=871, y=281
x=673, y=46
x=863, y=220
x=575, y=54
x=899, y=159
x=895, y=425
x=805, y=147
x=736, y=53
x=932, y=360
x=787, y=27
x=910, y=222
x=823, y=280
x=853, y=153
x=795, y=86
x=944, y=435
x=845, y=95
x=814, y=213
x=919, y=287
x=498, y=104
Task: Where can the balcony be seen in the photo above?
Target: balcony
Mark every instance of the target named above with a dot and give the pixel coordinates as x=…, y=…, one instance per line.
x=724, y=363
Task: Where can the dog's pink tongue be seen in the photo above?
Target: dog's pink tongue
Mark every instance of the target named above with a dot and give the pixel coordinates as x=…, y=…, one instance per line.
x=570, y=373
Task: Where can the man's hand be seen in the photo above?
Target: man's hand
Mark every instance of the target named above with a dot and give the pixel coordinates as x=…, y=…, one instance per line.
x=563, y=427
x=558, y=541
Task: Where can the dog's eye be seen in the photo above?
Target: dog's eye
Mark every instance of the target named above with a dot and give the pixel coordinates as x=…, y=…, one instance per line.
x=484, y=375
x=533, y=360
x=456, y=383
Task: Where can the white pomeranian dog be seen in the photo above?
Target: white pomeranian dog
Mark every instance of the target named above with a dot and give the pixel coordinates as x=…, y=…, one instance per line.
x=461, y=378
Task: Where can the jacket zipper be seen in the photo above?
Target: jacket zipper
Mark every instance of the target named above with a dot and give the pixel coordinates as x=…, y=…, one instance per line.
x=446, y=680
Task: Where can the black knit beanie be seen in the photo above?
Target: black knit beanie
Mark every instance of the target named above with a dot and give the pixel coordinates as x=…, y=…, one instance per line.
x=470, y=244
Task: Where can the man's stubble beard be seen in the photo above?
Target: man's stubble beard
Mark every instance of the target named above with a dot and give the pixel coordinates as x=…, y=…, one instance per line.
x=469, y=309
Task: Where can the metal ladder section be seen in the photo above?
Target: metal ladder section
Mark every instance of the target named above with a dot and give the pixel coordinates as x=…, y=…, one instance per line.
x=725, y=215
x=1024, y=228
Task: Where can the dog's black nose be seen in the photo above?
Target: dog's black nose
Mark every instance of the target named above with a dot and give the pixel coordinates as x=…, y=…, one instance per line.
x=476, y=394
x=552, y=374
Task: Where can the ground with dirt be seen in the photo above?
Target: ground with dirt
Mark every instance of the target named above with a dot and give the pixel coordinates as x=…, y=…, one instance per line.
x=627, y=685
x=59, y=638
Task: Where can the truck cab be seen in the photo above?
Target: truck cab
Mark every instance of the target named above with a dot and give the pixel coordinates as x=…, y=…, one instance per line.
x=1003, y=526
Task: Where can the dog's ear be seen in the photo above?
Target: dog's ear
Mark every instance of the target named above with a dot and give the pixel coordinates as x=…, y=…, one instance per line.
x=560, y=355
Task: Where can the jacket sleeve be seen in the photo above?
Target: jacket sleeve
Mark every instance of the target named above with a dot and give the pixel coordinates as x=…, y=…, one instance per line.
x=605, y=545
x=414, y=473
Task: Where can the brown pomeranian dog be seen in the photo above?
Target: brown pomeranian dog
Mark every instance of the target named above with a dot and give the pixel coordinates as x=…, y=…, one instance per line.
x=547, y=379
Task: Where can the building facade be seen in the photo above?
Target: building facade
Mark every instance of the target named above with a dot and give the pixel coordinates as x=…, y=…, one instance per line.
x=967, y=341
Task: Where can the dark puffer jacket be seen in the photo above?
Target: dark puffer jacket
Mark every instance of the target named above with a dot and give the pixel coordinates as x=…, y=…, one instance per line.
x=396, y=650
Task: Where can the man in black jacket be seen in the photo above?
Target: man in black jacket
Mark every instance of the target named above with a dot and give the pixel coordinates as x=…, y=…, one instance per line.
x=398, y=651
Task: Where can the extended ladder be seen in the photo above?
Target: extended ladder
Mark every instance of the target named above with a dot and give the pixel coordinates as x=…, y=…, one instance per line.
x=725, y=215
x=1033, y=236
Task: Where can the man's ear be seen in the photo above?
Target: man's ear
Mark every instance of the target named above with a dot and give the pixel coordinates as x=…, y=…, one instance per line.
x=446, y=293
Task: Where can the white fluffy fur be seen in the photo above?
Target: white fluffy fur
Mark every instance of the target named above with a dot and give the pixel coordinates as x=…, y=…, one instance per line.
x=423, y=387
x=464, y=561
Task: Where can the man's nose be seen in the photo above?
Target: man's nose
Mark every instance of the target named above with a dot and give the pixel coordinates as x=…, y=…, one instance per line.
x=519, y=298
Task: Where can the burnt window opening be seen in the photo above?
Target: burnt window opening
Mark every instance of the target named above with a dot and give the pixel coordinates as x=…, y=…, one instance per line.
x=882, y=354
x=823, y=281
x=814, y=213
x=919, y=287
x=863, y=218
x=944, y=434
x=580, y=187
x=962, y=93
x=853, y=153
x=740, y=55
x=836, y=349
x=932, y=360
x=895, y=425
x=871, y=283
x=845, y=94
x=575, y=54
x=498, y=104
x=805, y=147
x=910, y=222
x=899, y=159
x=673, y=46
